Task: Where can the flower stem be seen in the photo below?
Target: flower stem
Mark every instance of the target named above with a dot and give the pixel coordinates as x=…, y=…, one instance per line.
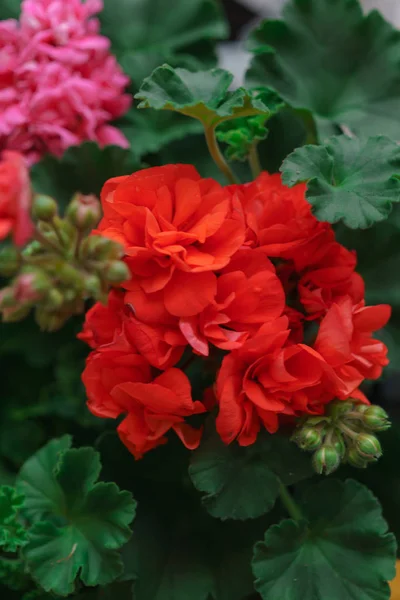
x=217, y=155
x=290, y=505
x=40, y=237
x=254, y=161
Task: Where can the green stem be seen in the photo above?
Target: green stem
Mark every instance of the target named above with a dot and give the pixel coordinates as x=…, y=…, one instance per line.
x=57, y=232
x=290, y=505
x=254, y=161
x=42, y=239
x=217, y=155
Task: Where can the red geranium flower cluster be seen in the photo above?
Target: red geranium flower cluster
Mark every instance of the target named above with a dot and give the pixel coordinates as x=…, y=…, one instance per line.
x=245, y=272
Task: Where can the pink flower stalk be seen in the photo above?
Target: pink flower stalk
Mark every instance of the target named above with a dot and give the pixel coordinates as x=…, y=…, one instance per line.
x=59, y=84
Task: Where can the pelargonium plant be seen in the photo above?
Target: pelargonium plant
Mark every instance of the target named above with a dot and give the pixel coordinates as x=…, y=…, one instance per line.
x=199, y=302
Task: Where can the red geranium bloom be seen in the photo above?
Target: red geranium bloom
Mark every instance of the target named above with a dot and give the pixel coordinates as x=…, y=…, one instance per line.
x=15, y=198
x=162, y=345
x=155, y=408
x=106, y=369
x=177, y=229
x=346, y=343
x=279, y=218
x=104, y=323
x=249, y=294
x=330, y=276
x=265, y=379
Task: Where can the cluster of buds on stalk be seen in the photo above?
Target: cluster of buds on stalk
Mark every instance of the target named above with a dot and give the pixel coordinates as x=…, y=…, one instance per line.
x=62, y=266
x=345, y=434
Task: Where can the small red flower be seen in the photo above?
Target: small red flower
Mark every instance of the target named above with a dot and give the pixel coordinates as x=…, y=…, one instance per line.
x=177, y=230
x=15, y=198
x=346, y=343
x=106, y=369
x=279, y=218
x=155, y=408
x=104, y=323
x=249, y=294
x=265, y=379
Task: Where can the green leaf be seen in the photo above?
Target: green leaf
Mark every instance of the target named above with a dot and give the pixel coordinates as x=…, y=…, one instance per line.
x=326, y=57
x=242, y=483
x=78, y=524
x=37, y=481
x=145, y=34
x=12, y=533
x=83, y=169
x=342, y=551
x=348, y=180
x=150, y=130
x=241, y=135
x=204, y=95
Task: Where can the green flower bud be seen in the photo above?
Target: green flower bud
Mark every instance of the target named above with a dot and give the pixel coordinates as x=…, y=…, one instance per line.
x=97, y=247
x=44, y=208
x=326, y=460
x=354, y=459
x=54, y=299
x=339, y=445
x=308, y=438
x=361, y=408
x=9, y=261
x=70, y=276
x=339, y=408
x=84, y=212
x=93, y=285
x=368, y=446
x=376, y=418
x=15, y=314
x=116, y=272
x=31, y=286
x=49, y=321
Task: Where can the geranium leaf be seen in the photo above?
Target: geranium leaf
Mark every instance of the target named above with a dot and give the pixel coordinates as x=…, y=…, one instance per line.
x=348, y=180
x=83, y=169
x=204, y=95
x=342, y=550
x=328, y=58
x=78, y=524
x=12, y=533
x=242, y=483
x=144, y=35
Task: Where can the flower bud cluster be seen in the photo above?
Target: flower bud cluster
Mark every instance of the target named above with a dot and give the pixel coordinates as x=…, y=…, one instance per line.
x=62, y=266
x=346, y=434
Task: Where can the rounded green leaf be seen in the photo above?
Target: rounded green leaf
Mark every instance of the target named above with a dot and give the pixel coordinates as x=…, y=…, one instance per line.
x=78, y=524
x=349, y=180
x=327, y=57
x=204, y=95
x=237, y=481
x=343, y=551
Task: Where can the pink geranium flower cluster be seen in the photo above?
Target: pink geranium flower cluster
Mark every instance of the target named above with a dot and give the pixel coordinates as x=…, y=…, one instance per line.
x=59, y=84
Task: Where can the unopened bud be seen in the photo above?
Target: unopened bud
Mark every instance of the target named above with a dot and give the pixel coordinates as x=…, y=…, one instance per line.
x=326, y=460
x=361, y=408
x=93, y=285
x=376, y=418
x=44, y=208
x=9, y=261
x=354, y=459
x=15, y=314
x=100, y=248
x=339, y=445
x=84, y=211
x=70, y=276
x=54, y=299
x=49, y=321
x=308, y=438
x=337, y=409
x=368, y=446
x=31, y=286
x=116, y=272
